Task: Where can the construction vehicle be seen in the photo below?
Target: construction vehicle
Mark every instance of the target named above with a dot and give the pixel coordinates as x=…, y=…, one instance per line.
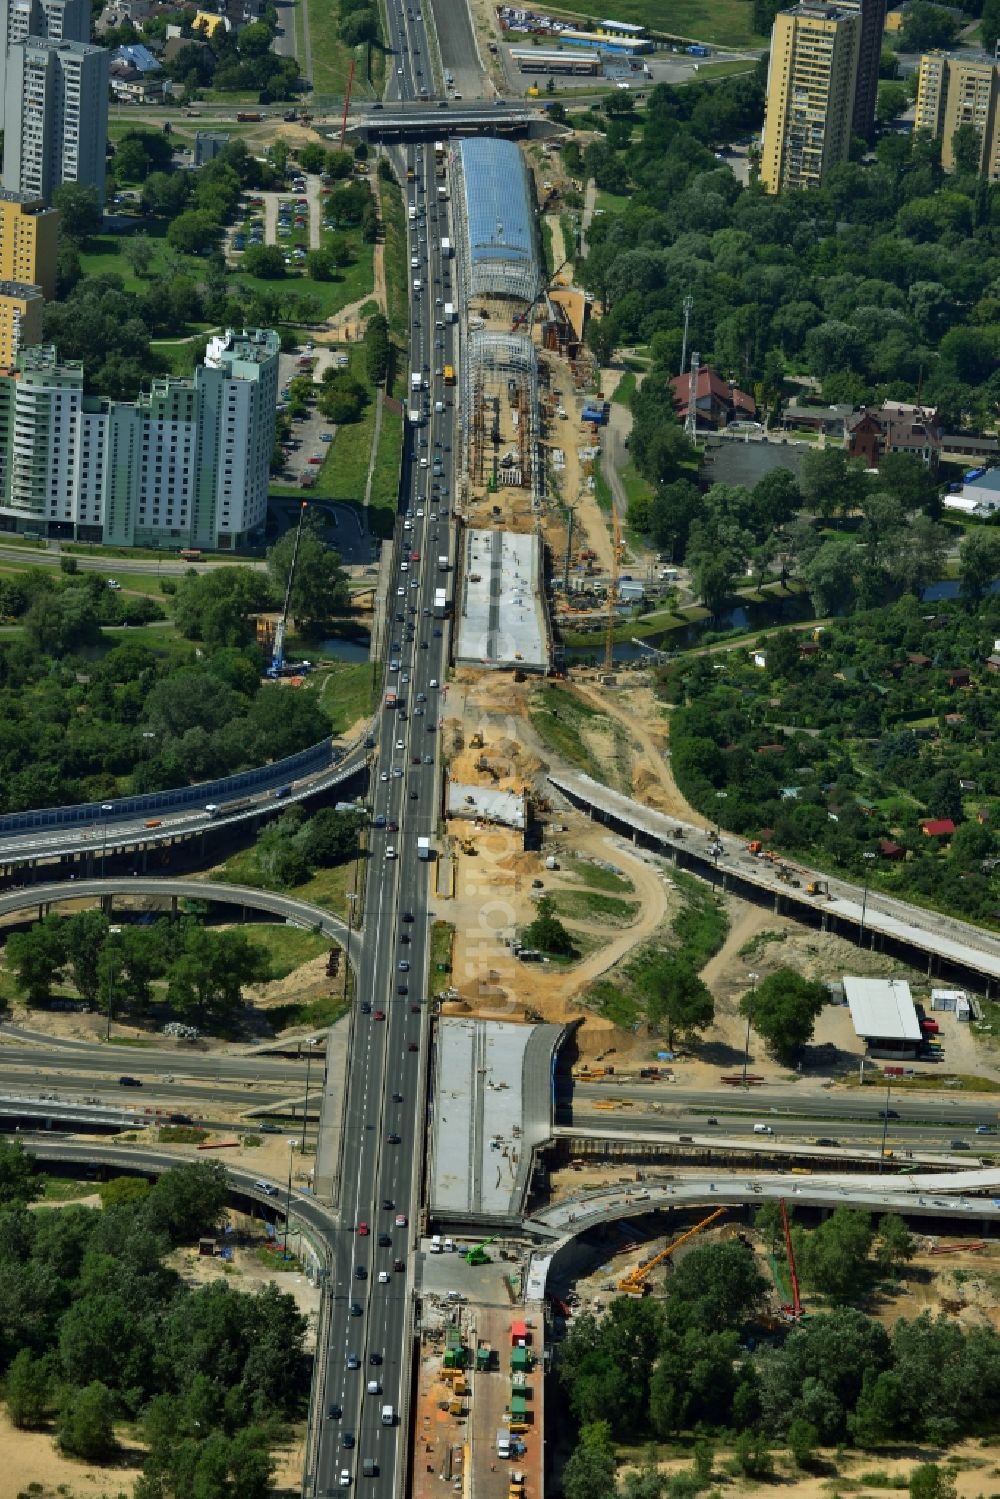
x=477, y=1254
x=484, y=1358
x=755, y=846
x=818, y=887
x=476, y=742
x=467, y=846
x=795, y=1310
x=634, y=1284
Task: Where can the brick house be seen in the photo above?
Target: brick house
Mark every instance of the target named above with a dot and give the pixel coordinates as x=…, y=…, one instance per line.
x=718, y=402
x=894, y=427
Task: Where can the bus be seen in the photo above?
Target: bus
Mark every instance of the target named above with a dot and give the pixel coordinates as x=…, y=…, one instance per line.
x=190, y=554
x=449, y=374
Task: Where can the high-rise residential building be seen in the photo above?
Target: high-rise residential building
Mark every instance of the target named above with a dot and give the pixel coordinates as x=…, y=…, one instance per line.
x=869, y=57
x=954, y=91
x=29, y=244
x=58, y=20
x=811, y=84
x=20, y=320
x=55, y=116
x=184, y=465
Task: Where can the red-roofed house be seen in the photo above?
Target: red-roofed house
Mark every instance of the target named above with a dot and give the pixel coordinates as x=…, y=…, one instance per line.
x=520, y=1334
x=718, y=401
x=937, y=827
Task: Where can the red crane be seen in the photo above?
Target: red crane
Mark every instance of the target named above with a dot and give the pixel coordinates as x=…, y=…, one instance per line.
x=347, y=104
x=796, y=1299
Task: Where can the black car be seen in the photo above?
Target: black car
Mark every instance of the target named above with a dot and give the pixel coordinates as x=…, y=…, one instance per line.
x=360, y=1273
x=385, y=1241
x=130, y=1082
x=402, y=989
x=375, y=1358
x=366, y=1007
x=334, y=1413
x=387, y=1204
x=393, y=1139
x=398, y=1097
x=355, y=1309
x=408, y=916
x=347, y=1438
x=178, y=1118
x=887, y=1114
x=826, y=1140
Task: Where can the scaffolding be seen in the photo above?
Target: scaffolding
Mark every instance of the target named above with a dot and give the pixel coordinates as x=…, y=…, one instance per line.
x=502, y=369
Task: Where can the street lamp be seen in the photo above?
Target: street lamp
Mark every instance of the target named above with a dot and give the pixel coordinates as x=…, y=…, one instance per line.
x=106, y=809
x=305, y=1111
x=885, y=1128
x=113, y=931
x=720, y=797
x=351, y=900
x=869, y=859
x=288, y=1199
x=753, y=977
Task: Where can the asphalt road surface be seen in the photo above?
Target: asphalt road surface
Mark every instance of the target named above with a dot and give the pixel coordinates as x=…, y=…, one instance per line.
x=457, y=46
x=386, y=1089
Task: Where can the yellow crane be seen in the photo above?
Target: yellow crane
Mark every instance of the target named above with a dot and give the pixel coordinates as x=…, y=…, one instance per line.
x=616, y=557
x=634, y=1283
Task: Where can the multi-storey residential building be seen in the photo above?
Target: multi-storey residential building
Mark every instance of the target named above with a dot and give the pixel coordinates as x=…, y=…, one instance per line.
x=20, y=319
x=28, y=242
x=869, y=57
x=55, y=116
x=184, y=465
x=811, y=85
x=58, y=20
x=954, y=91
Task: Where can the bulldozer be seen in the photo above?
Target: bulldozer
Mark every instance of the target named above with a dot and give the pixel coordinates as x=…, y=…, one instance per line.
x=818, y=887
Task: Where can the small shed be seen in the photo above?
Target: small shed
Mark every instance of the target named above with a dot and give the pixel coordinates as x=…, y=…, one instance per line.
x=521, y=1360
x=520, y=1334
x=884, y=1016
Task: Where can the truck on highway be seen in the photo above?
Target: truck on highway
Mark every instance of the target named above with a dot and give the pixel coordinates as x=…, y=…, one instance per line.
x=415, y=417
x=449, y=374
x=390, y=700
x=440, y=610
x=449, y=312
x=416, y=379
x=228, y=809
x=444, y=562
x=424, y=852
x=446, y=249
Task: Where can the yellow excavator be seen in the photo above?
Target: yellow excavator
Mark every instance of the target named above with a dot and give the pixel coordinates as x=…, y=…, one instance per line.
x=634, y=1283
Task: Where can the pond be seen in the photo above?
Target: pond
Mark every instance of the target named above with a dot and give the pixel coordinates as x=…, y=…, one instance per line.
x=345, y=648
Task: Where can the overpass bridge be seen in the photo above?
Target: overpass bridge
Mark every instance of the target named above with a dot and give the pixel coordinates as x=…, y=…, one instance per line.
x=433, y=118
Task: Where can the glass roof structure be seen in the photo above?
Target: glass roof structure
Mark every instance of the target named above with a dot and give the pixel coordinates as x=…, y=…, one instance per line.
x=498, y=220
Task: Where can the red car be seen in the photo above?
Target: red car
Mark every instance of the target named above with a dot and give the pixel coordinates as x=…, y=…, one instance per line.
x=414, y=556
x=379, y=1015
x=362, y=1230
x=411, y=1047
x=315, y=459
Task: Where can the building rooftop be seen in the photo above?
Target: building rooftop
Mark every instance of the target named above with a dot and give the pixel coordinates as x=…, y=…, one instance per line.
x=499, y=219
x=502, y=618
x=19, y=289
x=493, y=1090
x=491, y=805
x=882, y=1008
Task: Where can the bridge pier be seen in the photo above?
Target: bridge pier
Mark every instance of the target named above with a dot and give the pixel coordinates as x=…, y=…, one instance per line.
x=107, y=905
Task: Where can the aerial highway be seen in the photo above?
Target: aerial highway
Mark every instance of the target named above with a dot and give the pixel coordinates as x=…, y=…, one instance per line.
x=378, y=1190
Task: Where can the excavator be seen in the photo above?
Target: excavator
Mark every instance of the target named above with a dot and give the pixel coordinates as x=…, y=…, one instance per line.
x=634, y=1283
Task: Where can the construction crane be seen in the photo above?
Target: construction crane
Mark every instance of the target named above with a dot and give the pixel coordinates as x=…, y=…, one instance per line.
x=795, y=1310
x=347, y=104
x=277, y=665
x=477, y=1254
x=616, y=556
x=634, y=1283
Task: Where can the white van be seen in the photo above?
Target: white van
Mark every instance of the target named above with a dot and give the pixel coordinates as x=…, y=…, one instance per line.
x=435, y=1245
x=388, y=1416
x=374, y=1388
x=763, y=1129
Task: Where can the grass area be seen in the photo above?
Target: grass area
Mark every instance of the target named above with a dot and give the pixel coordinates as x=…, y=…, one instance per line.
x=591, y=905
x=396, y=260
x=624, y=389
x=439, y=958
x=327, y=888
x=617, y=1006
x=938, y=1082
x=701, y=924
x=725, y=23
x=384, y=495
x=602, y=489
x=605, y=202
x=182, y=1134
x=548, y=251
x=331, y=58
x=64, y=1189
x=324, y=1011
x=598, y=878
x=346, y=693
x=288, y=947
x=636, y=487
x=720, y=70
x=559, y=718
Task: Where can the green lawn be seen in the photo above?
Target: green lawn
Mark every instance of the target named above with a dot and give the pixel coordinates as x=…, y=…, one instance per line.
x=331, y=59
x=385, y=478
x=558, y=717
x=396, y=260
x=605, y=202
x=288, y=947
x=598, y=878
x=593, y=905
x=346, y=693
x=624, y=389
x=724, y=22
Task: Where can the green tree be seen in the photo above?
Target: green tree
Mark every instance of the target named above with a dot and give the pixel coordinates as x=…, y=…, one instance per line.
x=834, y=1258
x=676, y=997
x=38, y=957
x=751, y=1456
x=186, y=1200
x=140, y=252
x=27, y=1390
x=266, y=261
x=377, y=348
x=929, y=1481
x=978, y=564
x=716, y=1288
x=783, y=1010
x=589, y=1474
x=926, y=27
x=967, y=147
x=85, y=936
x=79, y=211
x=990, y=26
x=547, y=933
x=342, y=399
x=193, y=231
x=803, y=1439
x=86, y=1423
x=18, y=1182
x=205, y=980
x=894, y=1245
x=319, y=586
x=830, y=576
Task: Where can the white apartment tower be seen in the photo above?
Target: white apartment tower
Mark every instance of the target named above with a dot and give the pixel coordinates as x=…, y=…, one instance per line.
x=56, y=20
x=55, y=116
x=184, y=465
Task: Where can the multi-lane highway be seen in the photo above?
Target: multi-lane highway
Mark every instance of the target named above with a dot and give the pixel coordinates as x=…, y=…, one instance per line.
x=368, y=1350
